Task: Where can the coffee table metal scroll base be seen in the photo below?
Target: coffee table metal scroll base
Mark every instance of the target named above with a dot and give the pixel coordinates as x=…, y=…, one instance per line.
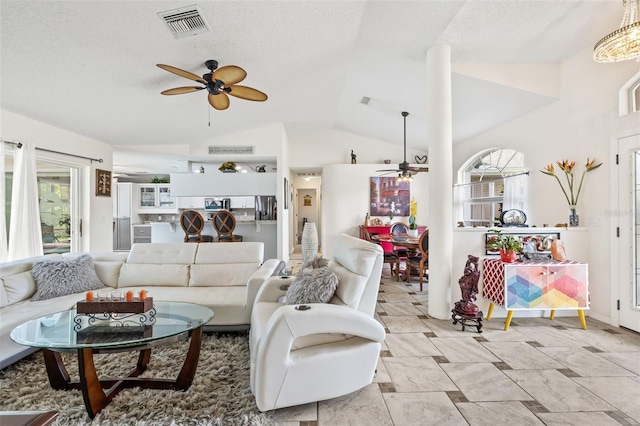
x=93, y=388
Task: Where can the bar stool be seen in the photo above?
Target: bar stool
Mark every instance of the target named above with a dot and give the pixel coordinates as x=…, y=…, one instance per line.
x=192, y=224
x=224, y=222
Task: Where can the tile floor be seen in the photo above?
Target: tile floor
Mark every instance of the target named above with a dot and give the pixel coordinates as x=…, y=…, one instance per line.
x=432, y=373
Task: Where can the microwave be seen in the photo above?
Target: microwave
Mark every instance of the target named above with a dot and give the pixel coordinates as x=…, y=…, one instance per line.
x=212, y=204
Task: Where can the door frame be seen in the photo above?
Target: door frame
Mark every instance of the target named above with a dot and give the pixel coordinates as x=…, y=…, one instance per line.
x=616, y=223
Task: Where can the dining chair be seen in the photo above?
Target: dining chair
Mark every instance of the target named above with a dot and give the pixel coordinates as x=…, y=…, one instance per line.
x=390, y=258
x=399, y=228
x=224, y=222
x=420, y=262
x=192, y=224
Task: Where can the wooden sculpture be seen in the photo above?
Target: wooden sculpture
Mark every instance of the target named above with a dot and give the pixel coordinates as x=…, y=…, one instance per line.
x=465, y=310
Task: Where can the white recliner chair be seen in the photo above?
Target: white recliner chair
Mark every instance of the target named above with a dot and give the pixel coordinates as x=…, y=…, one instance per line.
x=307, y=353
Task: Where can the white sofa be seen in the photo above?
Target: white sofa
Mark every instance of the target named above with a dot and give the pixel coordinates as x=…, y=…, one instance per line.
x=225, y=277
x=326, y=350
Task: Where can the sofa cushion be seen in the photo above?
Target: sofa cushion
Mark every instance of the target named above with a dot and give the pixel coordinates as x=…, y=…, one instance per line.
x=162, y=253
x=17, y=281
x=351, y=286
x=247, y=252
x=62, y=277
x=19, y=287
x=222, y=275
x=313, y=284
x=152, y=275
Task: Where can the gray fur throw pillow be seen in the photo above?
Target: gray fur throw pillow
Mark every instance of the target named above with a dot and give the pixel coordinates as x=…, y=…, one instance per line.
x=61, y=277
x=315, y=283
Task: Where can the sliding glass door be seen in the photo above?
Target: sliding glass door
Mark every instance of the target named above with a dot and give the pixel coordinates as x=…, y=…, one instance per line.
x=58, y=201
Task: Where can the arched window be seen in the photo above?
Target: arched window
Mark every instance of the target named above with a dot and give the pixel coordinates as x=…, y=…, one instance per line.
x=482, y=192
x=629, y=96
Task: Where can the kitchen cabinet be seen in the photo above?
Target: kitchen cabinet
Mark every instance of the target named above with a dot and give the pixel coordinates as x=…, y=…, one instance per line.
x=196, y=203
x=156, y=198
x=243, y=202
x=549, y=285
x=141, y=234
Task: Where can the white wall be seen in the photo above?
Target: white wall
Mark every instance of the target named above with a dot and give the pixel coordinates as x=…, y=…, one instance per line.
x=334, y=147
x=96, y=212
x=345, y=199
x=578, y=125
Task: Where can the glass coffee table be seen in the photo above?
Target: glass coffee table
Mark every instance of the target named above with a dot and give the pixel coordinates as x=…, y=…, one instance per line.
x=68, y=332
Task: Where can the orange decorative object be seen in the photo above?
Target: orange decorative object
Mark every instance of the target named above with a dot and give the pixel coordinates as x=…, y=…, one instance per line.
x=89, y=297
x=129, y=296
x=557, y=250
x=143, y=294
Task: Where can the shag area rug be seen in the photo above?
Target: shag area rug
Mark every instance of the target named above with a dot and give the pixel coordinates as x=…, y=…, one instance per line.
x=220, y=393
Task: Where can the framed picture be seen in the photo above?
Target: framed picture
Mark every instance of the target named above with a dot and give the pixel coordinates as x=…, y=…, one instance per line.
x=388, y=197
x=286, y=194
x=541, y=240
x=103, y=183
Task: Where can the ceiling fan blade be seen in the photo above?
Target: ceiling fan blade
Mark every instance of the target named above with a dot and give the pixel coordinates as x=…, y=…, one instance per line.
x=219, y=101
x=182, y=73
x=388, y=170
x=418, y=169
x=247, y=93
x=181, y=90
x=229, y=75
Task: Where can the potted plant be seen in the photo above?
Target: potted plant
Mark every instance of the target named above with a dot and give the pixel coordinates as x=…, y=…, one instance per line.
x=413, y=212
x=508, y=245
x=228, y=167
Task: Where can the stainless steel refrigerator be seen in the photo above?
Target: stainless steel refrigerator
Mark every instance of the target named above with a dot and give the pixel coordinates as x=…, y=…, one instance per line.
x=121, y=194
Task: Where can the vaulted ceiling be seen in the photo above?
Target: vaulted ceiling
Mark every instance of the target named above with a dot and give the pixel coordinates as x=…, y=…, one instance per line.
x=90, y=66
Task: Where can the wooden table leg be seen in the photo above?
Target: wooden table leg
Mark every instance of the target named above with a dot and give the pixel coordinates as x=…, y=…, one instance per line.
x=56, y=371
x=188, y=371
x=94, y=396
x=98, y=393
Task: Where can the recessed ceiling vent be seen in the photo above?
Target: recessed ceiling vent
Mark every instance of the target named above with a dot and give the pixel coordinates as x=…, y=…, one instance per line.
x=185, y=21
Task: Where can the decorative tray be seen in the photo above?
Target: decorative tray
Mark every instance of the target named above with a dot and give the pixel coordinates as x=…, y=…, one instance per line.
x=135, y=306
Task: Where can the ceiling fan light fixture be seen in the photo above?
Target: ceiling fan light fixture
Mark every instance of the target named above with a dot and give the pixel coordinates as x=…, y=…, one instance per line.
x=624, y=43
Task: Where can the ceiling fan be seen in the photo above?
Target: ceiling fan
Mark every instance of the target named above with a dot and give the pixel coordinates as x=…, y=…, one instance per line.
x=405, y=170
x=219, y=82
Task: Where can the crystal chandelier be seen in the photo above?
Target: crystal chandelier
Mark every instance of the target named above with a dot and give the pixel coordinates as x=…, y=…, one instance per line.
x=624, y=43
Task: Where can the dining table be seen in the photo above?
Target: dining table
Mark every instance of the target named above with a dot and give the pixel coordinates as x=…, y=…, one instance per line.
x=401, y=240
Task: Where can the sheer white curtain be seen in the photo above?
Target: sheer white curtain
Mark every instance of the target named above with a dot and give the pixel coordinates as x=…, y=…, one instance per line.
x=25, y=234
x=3, y=218
x=514, y=193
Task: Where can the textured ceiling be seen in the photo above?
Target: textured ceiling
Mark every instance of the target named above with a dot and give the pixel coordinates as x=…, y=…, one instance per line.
x=89, y=66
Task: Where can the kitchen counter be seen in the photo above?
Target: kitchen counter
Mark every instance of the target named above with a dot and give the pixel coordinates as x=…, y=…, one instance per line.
x=251, y=230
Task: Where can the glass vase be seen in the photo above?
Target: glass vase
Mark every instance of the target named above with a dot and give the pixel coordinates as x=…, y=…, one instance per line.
x=574, y=218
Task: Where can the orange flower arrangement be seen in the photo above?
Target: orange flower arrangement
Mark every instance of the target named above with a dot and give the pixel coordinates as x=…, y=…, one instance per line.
x=568, y=168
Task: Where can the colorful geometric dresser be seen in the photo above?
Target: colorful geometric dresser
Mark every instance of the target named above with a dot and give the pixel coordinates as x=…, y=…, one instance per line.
x=536, y=285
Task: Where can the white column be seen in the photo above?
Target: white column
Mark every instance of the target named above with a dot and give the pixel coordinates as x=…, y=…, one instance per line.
x=439, y=142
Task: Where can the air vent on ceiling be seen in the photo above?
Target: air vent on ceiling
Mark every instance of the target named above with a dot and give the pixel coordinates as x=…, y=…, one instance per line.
x=231, y=149
x=307, y=174
x=185, y=21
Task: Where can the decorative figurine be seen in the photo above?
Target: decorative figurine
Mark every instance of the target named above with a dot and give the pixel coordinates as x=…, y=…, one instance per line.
x=366, y=219
x=465, y=310
x=353, y=158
